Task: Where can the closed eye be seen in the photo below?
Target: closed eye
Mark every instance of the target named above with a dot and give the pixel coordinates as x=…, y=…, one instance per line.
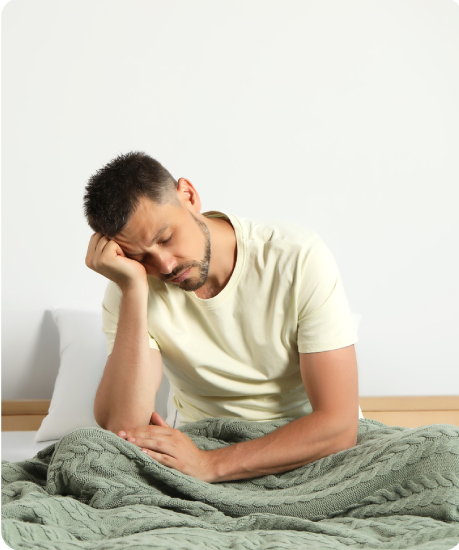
x=133, y=256
x=163, y=242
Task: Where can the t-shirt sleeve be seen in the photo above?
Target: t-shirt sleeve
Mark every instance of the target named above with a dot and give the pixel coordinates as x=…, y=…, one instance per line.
x=110, y=315
x=325, y=321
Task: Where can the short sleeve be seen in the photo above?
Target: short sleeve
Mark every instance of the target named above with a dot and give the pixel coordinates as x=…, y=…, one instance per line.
x=325, y=321
x=110, y=315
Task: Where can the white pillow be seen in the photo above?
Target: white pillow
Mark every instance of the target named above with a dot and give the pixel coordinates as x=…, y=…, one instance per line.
x=83, y=356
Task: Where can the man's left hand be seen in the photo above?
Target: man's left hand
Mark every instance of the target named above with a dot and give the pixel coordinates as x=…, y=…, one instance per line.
x=171, y=448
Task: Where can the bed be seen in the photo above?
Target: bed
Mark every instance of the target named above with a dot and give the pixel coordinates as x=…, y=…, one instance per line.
x=19, y=445
x=67, y=483
x=412, y=412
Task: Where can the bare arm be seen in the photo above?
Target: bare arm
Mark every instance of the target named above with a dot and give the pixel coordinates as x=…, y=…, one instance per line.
x=330, y=379
x=132, y=376
x=126, y=395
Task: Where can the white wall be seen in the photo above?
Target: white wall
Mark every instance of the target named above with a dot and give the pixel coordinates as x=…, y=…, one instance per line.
x=341, y=116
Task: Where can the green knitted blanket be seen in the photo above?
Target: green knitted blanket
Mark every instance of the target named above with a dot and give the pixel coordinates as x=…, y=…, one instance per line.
x=397, y=488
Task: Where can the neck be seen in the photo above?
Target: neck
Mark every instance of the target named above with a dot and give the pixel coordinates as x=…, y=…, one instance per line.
x=224, y=253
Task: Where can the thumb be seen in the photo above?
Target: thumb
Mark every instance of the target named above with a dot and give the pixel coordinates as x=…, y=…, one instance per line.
x=156, y=420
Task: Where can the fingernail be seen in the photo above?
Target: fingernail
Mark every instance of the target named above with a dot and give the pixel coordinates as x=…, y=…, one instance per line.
x=144, y=451
x=122, y=434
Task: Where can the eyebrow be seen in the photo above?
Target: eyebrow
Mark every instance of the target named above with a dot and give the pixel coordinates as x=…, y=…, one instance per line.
x=155, y=238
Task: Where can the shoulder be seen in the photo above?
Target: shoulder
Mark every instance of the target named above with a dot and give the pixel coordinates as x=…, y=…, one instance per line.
x=297, y=249
x=280, y=233
x=295, y=243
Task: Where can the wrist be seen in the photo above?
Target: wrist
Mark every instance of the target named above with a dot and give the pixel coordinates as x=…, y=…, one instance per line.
x=212, y=470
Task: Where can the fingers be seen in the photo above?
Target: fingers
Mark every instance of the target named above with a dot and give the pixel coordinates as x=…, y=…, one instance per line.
x=98, y=242
x=101, y=244
x=165, y=460
x=157, y=420
x=161, y=443
x=94, y=242
x=158, y=445
x=107, y=258
x=119, y=250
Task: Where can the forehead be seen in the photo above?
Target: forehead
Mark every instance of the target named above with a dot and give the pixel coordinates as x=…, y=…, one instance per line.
x=148, y=221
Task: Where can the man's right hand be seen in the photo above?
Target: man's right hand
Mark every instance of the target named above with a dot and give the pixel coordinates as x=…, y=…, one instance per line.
x=108, y=258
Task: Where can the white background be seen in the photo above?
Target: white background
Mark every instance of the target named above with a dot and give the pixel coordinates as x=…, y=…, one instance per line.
x=340, y=116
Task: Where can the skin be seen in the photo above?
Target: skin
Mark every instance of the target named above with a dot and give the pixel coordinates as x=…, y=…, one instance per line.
x=208, y=246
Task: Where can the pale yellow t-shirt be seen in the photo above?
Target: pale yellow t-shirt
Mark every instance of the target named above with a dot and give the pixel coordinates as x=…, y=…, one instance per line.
x=237, y=354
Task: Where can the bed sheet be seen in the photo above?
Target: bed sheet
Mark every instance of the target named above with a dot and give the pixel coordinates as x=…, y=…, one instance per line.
x=20, y=445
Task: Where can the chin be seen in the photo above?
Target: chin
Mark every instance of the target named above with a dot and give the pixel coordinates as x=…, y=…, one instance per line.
x=191, y=284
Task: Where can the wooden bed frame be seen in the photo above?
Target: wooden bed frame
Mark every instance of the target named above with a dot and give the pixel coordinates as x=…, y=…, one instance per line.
x=411, y=412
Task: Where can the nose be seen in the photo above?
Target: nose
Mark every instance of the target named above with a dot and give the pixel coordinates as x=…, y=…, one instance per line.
x=163, y=263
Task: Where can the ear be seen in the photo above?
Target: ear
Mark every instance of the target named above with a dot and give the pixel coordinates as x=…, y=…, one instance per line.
x=189, y=195
x=156, y=420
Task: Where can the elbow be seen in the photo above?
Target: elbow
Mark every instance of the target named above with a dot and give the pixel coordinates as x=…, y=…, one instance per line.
x=351, y=440
x=103, y=421
x=113, y=428
x=343, y=435
x=110, y=426
x=107, y=423
x=116, y=424
x=342, y=432
x=347, y=439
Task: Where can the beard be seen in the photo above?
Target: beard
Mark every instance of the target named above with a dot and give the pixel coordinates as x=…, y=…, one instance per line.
x=194, y=283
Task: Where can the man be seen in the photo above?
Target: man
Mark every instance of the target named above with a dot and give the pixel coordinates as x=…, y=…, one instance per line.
x=249, y=319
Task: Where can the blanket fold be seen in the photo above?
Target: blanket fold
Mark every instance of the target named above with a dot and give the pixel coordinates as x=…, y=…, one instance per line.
x=397, y=488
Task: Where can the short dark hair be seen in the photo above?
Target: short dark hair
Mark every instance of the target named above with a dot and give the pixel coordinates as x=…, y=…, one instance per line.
x=113, y=192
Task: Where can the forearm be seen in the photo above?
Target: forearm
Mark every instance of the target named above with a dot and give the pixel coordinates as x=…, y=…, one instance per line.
x=126, y=394
x=298, y=443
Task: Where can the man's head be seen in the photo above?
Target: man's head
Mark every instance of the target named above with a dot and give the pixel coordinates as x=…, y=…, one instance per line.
x=134, y=201
x=114, y=191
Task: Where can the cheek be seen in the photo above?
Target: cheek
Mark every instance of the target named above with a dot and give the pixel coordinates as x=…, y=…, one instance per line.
x=183, y=251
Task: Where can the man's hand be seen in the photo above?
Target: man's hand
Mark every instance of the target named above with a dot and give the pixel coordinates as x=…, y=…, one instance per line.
x=171, y=448
x=106, y=257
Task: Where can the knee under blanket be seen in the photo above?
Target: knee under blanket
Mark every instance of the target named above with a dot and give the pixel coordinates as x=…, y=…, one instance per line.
x=397, y=488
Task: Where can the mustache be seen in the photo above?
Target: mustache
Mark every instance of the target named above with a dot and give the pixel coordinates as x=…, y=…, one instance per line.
x=179, y=272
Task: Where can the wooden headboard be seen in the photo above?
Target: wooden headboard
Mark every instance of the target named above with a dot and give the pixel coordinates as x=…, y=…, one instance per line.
x=412, y=412
x=20, y=415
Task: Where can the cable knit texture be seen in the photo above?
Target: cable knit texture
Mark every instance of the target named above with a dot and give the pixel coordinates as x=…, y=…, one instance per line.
x=397, y=488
